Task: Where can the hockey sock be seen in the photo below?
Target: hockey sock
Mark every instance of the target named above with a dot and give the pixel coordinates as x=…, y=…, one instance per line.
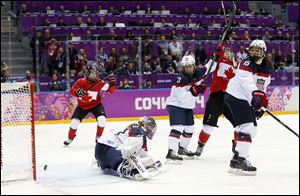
x=236, y=135
x=243, y=148
x=185, y=139
x=203, y=137
x=99, y=131
x=174, y=139
x=72, y=133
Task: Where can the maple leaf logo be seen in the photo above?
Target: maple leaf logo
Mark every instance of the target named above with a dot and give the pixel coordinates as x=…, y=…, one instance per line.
x=229, y=73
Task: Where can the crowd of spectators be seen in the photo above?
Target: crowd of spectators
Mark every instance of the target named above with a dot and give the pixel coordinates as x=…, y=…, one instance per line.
x=169, y=47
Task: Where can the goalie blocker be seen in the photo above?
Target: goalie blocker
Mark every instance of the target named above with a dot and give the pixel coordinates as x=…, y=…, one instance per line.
x=125, y=152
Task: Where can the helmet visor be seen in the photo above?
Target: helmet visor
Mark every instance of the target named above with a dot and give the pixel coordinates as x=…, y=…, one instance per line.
x=150, y=130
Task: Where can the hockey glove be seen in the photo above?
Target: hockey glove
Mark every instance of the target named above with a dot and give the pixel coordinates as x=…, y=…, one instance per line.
x=218, y=53
x=260, y=113
x=130, y=146
x=111, y=80
x=81, y=93
x=197, y=89
x=259, y=99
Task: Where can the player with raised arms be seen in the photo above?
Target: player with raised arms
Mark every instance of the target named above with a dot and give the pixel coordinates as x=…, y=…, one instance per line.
x=88, y=93
x=223, y=69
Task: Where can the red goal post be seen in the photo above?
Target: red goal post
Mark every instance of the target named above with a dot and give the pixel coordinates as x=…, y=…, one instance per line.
x=18, y=159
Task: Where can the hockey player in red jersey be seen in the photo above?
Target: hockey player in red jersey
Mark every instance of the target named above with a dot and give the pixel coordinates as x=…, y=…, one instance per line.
x=88, y=93
x=223, y=70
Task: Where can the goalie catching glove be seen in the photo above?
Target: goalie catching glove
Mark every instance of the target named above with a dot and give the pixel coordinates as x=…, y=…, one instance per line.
x=130, y=146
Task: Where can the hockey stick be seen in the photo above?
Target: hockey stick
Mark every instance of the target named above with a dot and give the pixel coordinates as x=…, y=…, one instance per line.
x=277, y=119
x=119, y=68
x=225, y=30
x=224, y=12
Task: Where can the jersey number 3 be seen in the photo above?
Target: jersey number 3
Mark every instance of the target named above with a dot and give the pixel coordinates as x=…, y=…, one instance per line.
x=178, y=79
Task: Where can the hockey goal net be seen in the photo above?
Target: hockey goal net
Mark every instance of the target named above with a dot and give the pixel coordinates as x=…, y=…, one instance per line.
x=17, y=132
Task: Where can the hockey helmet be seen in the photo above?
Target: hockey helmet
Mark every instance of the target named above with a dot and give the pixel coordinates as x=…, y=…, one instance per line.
x=257, y=55
x=92, y=74
x=188, y=64
x=149, y=125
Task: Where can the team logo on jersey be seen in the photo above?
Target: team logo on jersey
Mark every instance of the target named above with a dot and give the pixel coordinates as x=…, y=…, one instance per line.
x=260, y=84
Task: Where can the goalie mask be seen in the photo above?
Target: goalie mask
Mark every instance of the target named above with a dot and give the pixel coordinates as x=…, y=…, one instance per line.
x=149, y=126
x=257, y=50
x=188, y=65
x=92, y=75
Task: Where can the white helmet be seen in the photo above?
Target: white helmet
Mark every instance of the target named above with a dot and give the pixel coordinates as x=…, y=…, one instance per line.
x=188, y=60
x=259, y=44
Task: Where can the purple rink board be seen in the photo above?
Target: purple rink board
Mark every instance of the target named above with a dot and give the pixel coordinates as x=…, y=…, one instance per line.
x=134, y=103
x=125, y=103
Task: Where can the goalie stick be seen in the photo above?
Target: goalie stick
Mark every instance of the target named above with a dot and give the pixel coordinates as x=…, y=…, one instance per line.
x=224, y=33
x=277, y=119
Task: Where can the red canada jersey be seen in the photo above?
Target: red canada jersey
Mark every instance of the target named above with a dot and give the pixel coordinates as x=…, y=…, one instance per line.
x=94, y=92
x=223, y=72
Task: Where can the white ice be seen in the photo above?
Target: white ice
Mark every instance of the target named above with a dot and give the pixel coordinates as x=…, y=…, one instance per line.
x=274, y=151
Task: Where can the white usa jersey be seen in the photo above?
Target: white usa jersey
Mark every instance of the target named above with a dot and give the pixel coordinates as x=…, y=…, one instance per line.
x=180, y=93
x=249, y=77
x=114, y=139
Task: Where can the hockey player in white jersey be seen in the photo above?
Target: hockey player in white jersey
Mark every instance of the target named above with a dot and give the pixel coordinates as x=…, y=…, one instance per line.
x=245, y=96
x=180, y=105
x=114, y=150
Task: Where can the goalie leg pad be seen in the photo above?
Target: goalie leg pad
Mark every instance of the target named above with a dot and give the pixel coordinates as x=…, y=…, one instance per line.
x=127, y=170
x=148, y=161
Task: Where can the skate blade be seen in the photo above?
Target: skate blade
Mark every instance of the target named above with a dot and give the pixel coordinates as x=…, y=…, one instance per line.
x=197, y=157
x=241, y=172
x=138, y=177
x=173, y=162
x=94, y=164
x=188, y=157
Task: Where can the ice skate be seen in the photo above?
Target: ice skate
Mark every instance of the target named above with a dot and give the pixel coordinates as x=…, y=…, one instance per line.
x=173, y=158
x=241, y=166
x=67, y=142
x=199, y=150
x=185, y=152
x=96, y=139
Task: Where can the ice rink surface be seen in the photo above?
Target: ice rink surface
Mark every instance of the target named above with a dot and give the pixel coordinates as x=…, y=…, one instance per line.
x=275, y=153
